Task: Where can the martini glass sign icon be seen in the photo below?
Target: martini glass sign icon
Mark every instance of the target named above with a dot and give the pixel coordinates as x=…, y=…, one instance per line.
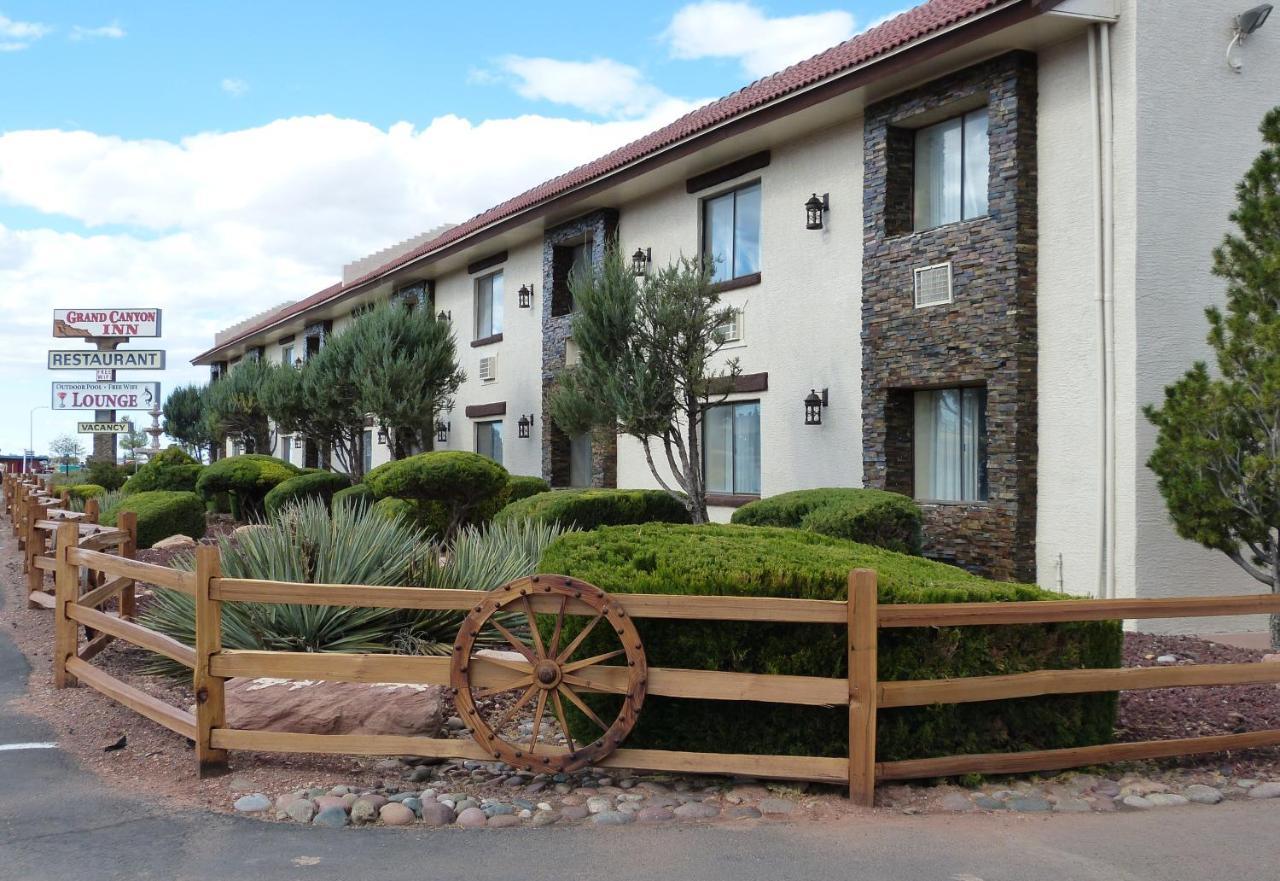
x=62, y=396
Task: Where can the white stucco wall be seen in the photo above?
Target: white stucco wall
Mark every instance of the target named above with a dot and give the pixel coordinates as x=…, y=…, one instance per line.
x=802, y=322
x=1196, y=125
x=519, y=374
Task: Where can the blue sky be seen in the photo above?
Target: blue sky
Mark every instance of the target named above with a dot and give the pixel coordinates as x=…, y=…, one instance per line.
x=214, y=159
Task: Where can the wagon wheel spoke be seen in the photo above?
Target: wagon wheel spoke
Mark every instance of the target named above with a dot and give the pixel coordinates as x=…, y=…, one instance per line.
x=537, y=719
x=515, y=708
x=533, y=628
x=577, y=640
x=590, y=662
x=555, y=637
x=512, y=686
x=577, y=702
x=515, y=641
x=560, y=717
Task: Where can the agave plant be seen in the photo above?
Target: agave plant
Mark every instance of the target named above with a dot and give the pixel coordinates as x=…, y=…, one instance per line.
x=308, y=543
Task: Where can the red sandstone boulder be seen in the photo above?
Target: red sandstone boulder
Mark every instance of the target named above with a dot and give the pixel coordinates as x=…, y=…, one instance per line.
x=308, y=707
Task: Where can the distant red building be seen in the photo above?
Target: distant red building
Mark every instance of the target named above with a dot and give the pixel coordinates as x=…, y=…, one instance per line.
x=12, y=463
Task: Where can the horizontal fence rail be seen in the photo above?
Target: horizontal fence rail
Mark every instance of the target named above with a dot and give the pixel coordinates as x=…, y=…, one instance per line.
x=93, y=565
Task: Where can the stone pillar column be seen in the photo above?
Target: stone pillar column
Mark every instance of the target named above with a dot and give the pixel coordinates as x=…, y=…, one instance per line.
x=104, y=445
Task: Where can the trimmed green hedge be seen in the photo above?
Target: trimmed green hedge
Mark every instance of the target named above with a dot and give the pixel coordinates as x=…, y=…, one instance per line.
x=170, y=469
x=162, y=513
x=521, y=486
x=449, y=489
x=358, y=494
x=107, y=475
x=591, y=508
x=870, y=516
x=85, y=491
x=247, y=478
x=762, y=561
x=316, y=484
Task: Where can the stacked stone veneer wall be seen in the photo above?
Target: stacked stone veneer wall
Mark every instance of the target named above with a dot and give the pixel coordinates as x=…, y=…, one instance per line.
x=986, y=336
x=601, y=226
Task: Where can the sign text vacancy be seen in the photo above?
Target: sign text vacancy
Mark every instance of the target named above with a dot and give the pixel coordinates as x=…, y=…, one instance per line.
x=105, y=395
x=92, y=359
x=87, y=323
x=104, y=427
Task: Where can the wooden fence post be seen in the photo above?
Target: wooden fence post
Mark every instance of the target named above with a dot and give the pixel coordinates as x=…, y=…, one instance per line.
x=92, y=511
x=35, y=548
x=211, y=710
x=64, y=498
x=863, y=686
x=128, y=521
x=66, y=586
x=20, y=516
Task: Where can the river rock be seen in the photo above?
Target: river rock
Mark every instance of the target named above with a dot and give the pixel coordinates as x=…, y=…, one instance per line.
x=332, y=817
x=774, y=807
x=301, y=810
x=1167, y=799
x=1265, y=790
x=251, y=804
x=1203, y=795
x=472, y=818
x=175, y=541
x=696, y=810
x=436, y=814
x=334, y=707
x=395, y=814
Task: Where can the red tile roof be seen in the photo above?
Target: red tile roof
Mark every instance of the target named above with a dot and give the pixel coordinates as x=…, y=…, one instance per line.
x=913, y=24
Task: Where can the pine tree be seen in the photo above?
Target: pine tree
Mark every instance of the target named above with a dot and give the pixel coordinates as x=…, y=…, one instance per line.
x=1217, y=454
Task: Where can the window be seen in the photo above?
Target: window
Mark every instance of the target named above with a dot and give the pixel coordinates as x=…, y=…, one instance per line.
x=731, y=446
x=488, y=305
x=286, y=445
x=368, y=451
x=286, y=356
x=951, y=444
x=951, y=170
x=580, y=459
x=565, y=261
x=731, y=330
x=572, y=354
x=489, y=440
x=731, y=232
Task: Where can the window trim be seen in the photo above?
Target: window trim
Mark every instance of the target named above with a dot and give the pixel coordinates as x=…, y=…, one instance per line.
x=729, y=499
x=915, y=152
x=734, y=281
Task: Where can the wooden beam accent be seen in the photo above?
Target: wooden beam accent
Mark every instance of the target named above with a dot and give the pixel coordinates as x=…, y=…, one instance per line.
x=486, y=340
x=1049, y=611
x=135, y=699
x=479, y=411
x=1057, y=759
x=161, y=576
x=133, y=633
x=727, y=172
x=919, y=693
x=743, y=383
x=693, y=608
x=487, y=262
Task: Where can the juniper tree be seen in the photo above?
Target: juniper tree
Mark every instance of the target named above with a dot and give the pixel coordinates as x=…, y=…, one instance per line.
x=646, y=367
x=184, y=419
x=1217, y=453
x=233, y=406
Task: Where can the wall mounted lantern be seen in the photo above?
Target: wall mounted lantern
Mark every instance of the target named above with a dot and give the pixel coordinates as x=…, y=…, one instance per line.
x=525, y=423
x=442, y=431
x=814, y=209
x=1245, y=24
x=297, y=362
x=526, y=296
x=297, y=441
x=813, y=404
x=444, y=316
x=382, y=436
x=640, y=261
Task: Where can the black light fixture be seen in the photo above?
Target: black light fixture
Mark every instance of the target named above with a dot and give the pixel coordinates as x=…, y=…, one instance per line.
x=297, y=441
x=813, y=404
x=640, y=261
x=444, y=316
x=297, y=362
x=382, y=436
x=525, y=423
x=526, y=296
x=442, y=431
x=814, y=209
x=1245, y=24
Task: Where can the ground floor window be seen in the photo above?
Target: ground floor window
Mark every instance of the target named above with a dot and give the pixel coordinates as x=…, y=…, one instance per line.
x=286, y=447
x=489, y=440
x=951, y=444
x=731, y=448
x=580, y=459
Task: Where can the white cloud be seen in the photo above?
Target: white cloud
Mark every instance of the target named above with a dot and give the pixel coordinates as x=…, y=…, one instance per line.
x=18, y=35
x=601, y=86
x=234, y=87
x=762, y=45
x=111, y=31
x=222, y=225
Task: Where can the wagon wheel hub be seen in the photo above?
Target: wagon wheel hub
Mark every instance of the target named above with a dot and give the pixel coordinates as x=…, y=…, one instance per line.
x=540, y=673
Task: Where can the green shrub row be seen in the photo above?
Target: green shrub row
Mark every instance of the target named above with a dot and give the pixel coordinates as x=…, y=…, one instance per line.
x=84, y=491
x=320, y=485
x=170, y=469
x=770, y=562
x=161, y=513
x=246, y=479
x=870, y=516
x=592, y=508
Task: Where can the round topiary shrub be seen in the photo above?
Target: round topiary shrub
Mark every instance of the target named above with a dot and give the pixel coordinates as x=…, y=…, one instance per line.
x=162, y=513
x=450, y=489
x=870, y=516
x=760, y=561
x=85, y=491
x=356, y=494
x=170, y=469
x=310, y=485
x=521, y=486
x=396, y=509
x=590, y=508
x=247, y=479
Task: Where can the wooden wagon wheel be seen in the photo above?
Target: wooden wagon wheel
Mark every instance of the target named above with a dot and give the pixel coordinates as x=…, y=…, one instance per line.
x=548, y=675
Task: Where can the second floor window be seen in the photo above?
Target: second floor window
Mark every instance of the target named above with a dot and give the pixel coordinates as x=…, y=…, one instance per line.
x=951, y=170
x=488, y=305
x=286, y=356
x=731, y=232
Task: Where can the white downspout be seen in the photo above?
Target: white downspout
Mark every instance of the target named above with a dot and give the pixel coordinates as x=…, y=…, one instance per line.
x=1108, y=281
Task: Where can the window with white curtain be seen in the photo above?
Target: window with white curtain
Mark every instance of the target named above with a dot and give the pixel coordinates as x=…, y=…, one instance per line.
x=488, y=305
x=731, y=448
x=489, y=440
x=951, y=444
x=731, y=232
x=580, y=459
x=951, y=173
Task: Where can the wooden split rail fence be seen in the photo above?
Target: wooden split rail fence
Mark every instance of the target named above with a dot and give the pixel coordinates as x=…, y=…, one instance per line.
x=862, y=692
